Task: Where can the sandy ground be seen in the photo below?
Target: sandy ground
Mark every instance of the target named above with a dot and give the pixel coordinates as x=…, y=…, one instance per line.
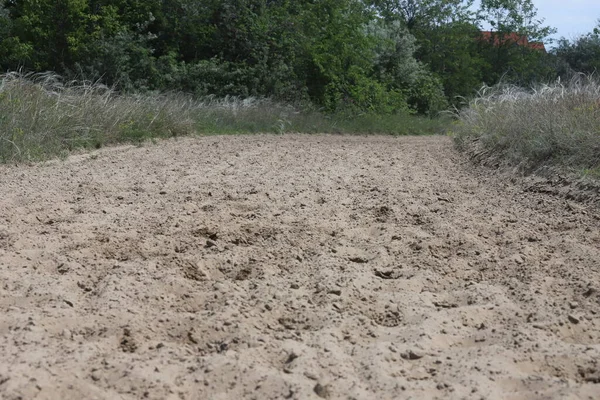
x=293, y=267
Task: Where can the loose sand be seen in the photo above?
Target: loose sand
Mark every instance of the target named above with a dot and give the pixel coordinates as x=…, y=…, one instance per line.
x=298, y=267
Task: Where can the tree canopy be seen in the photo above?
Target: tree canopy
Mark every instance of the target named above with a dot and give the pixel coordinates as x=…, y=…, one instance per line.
x=380, y=56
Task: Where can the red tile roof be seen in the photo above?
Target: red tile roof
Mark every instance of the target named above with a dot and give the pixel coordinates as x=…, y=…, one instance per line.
x=537, y=46
x=512, y=37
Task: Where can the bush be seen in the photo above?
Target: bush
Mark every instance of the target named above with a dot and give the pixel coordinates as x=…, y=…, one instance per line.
x=582, y=54
x=124, y=60
x=364, y=95
x=426, y=96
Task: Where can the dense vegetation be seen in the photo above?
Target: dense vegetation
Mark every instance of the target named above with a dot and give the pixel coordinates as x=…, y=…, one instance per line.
x=132, y=69
x=42, y=117
x=383, y=56
x=553, y=125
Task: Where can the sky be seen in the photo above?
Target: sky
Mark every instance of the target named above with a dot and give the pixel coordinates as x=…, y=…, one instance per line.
x=571, y=17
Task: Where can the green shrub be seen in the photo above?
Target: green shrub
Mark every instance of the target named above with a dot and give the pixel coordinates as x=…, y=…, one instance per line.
x=426, y=96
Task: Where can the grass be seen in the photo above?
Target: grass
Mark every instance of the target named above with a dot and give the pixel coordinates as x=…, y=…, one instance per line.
x=43, y=117
x=554, y=126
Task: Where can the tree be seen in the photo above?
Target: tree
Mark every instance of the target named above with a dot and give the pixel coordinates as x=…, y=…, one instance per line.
x=514, y=16
x=368, y=56
x=54, y=31
x=340, y=56
x=13, y=52
x=507, y=53
x=446, y=40
x=396, y=66
x=419, y=14
x=580, y=55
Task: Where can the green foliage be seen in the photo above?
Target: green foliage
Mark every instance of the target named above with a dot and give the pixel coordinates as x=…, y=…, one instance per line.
x=426, y=96
x=419, y=15
x=452, y=51
x=445, y=42
x=394, y=49
x=519, y=16
x=448, y=41
x=516, y=64
x=124, y=60
x=339, y=58
x=377, y=56
x=54, y=31
x=581, y=54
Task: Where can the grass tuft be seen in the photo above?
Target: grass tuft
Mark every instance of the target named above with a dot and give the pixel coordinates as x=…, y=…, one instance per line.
x=554, y=125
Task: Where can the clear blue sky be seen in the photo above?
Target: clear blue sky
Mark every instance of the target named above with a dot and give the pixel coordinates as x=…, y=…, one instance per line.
x=571, y=17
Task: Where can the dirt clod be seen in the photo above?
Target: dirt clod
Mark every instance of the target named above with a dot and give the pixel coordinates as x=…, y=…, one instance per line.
x=321, y=391
x=127, y=343
x=412, y=355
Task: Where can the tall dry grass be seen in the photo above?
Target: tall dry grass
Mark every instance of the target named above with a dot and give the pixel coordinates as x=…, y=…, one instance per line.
x=42, y=117
x=551, y=125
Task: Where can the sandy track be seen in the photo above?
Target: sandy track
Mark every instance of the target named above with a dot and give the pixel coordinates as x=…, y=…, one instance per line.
x=297, y=267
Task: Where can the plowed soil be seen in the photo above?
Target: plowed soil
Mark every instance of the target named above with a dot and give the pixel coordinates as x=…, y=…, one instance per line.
x=298, y=267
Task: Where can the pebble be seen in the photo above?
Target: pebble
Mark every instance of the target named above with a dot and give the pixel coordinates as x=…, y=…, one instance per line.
x=480, y=339
x=253, y=344
x=192, y=338
x=63, y=268
x=573, y=319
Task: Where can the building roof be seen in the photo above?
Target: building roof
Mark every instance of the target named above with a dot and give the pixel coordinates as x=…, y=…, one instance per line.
x=511, y=37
